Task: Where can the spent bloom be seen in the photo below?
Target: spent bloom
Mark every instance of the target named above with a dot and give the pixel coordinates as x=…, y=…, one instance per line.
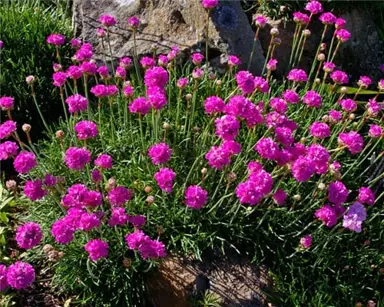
x=297, y=75
x=24, y=162
x=20, y=275
x=77, y=103
x=104, y=161
x=366, y=196
x=306, y=241
x=327, y=214
x=86, y=129
x=76, y=158
x=7, y=128
x=301, y=18
x=6, y=103
x=355, y=217
x=107, y=20
x=28, y=235
x=119, y=196
x=320, y=130
x=245, y=81
x=159, y=153
x=314, y=7
x=343, y=35
x=375, y=131
x=352, y=140
x=195, y=197
x=96, y=249
x=56, y=39
x=337, y=193
x=213, y=105
x=209, y=4
x=227, y=127
x=327, y=18
x=312, y=99
x=33, y=189
x=139, y=105
x=8, y=149
x=164, y=178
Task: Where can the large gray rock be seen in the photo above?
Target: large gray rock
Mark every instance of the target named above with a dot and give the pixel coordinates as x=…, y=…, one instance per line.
x=168, y=23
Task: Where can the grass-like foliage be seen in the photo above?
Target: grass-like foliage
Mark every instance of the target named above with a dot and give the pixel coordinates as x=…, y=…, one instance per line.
x=180, y=160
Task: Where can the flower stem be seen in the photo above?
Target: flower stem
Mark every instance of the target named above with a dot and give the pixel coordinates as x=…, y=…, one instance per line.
x=253, y=48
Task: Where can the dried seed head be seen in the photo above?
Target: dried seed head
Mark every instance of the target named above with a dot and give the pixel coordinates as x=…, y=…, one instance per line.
x=231, y=177
x=276, y=41
x=150, y=199
x=321, y=186
x=11, y=184
x=60, y=134
x=47, y=248
x=127, y=263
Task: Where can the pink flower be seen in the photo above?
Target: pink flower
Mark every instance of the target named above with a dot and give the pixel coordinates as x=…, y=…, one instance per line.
x=319, y=157
x=327, y=18
x=337, y=193
x=214, y=105
x=302, y=169
x=261, y=84
x=312, y=99
x=254, y=167
x=147, y=62
x=3, y=274
x=119, y=196
x=20, y=275
x=84, y=53
x=162, y=60
x=156, y=76
x=7, y=128
x=62, y=231
x=237, y=106
x=134, y=22
x=327, y=215
x=375, y=131
x=139, y=105
x=8, y=150
x=245, y=81
x=96, y=249
x=314, y=7
x=137, y=221
x=34, y=190
x=267, y=148
x=284, y=136
x=348, y=105
x=340, y=23
x=86, y=129
x=218, y=158
x=291, y=96
x=297, y=75
x=6, y=103
x=364, y=81
x=125, y=62
x=280, y=197
x=209, y=4
x=89, y=221
x=77, y=103
x=335, y=116
x=197, y=58
x=366, y=196
x=182, y=82
x=301, y=18
x=75, y=43
x=279, y=105
x=107, y=20
x=28, y=235
x=103, y=72
x=152, y=249
x=233, y=61
x=328, y=67
x=248, y=193
x=159, y=153
x=227, y=127
x=355, y=217
x=195, y=197
x=260, y=21
x=253, y=116
x=380, y=84
x=104, y=161
x=96, y=175
x=164, y=178
x=320, y=130
x=24, y=162
x=306, y=241
x=56, y=39
x=59, y=78
x=373, y=108
x=100, y=32
x=88, y=68
x=118, y=217
x=136, y=239
x=100, y=90
x=120, y=72
x=128, y=91
x=231, y=147
x=74, y=72
x=342, y=35
x=352, y=140
x=197, y=73
x=157, y=97
x=76, y=158
x=272, y=64
x=75, y=196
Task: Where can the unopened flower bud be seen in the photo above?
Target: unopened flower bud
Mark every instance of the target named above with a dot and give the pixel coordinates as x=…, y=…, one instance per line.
x=321, y=186
x=30, y=79
x=196, y=129
x=60, y=134
x=111, y=184
x=317, y=80
x=352, y=116
x=53, y=255
x=297, y=197
x=303, y=140
x=323, y=46
x=343, y=90
x=355, y=124
x=276, y=41
x=26, y=128
x=274, y=31
x=282, y=8
x=204, y=171
x=47, y=248
x=57, y=67
x=93, y=61
x=127, y=263
x=188, y=96
x=154, y=46
x=148, y=189
x=321, y=57
x=218, y=82
x=325, y=118
x=211, y=76
x=150, y=199
x=306, y=33
x=359, y=304
x=166, y=126
x=371, y=303
x=11, y=184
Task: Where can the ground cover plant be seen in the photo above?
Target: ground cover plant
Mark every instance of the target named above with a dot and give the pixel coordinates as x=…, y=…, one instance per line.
x=151, y=158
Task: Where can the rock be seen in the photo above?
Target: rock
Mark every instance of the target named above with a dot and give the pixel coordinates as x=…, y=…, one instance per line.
x=168, y=23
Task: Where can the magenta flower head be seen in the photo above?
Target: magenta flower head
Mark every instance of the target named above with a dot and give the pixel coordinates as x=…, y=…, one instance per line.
x=159, y=153
x=279, y=105
x=162, y=60
x=119, y=196
x=156, y=76
x=152, y=249
x=364, y=81
x=75, y=43
x=366, y=196
x=76, y=158
x=335, y=116
x=340, y=23
x=209, y=4
x=137, y=221
x=120, y=72
x=3, y=277
x=88, y=68
x=327, y=18
x=164, y=178
x=245, y=81
x=7, y=128
x=272, y=64
x=96, y=249
x=125, y=62
x=182, y=82
x=59, y=78
x=77, y=103
x=267, y=148
x=89, y=221
x=218, y=158
x=348, y=105
x=373, y=107
x=195, y=197
x=84, y=53
x=20, y=275
x=96, y=175
x=24, y=162
x=231, y=147
x=28, y=235
x=328, y=67
x=343, y=35
x=254, y=167
x=314, y=7
x=128, y=90
x=375, y=131
x=6, y=103
x=197, y=58
x=312, y=99
x=280, y=197
x=319, y=157
x=261, y=84
x=33, y=189
x=136, y=239
x=301, y=18
x=134, y=22
x=157, y=97
x=337, y=193
x=107, y=20
x=1, y=47
x=327, y=215
x=233, y=61
x=237, y=106
x=248, y=193
x=104, y=161
x=227, y=127
x=100, y=90
x=62, y=231
x=303, y=168
x=291, y=96
x=112, y=90
x=197, y=73
x=214, y=105
x=86, y=129
x=8, y=150
x=118, y=217
x=260, y=21
x=320, y=130
x=352, y=140
x=103, y=72
x=74, y=72
x=355, y=217
x=297, y=75
x=139, y=105
x=306, y=241
x=147, y=62
x=56, y=39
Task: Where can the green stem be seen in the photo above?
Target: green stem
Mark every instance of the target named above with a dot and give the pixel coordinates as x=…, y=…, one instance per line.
x=110, y=51
x=253, y=48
